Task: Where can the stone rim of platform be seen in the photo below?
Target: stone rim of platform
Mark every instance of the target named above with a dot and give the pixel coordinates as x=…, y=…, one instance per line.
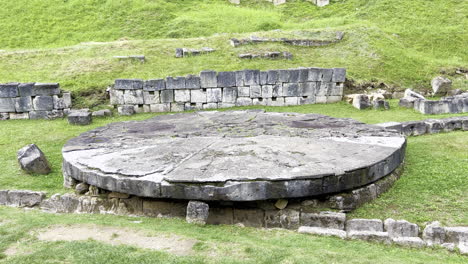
x=309, y=128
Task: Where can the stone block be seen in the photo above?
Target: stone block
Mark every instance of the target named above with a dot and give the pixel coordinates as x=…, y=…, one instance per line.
x=277, y=101
x=155, y=208
x=307, y=100
x=182, y=96
x=456, y=234
x=414, y=242
x=283, y=76
x=193, y=106
x=267, y=91
x=134, y=97
x=272, y=76
x=4, y=116
x=434, y=126
x=34, y=115
x=277, y=90
x=391, y=125
x=80, y=118
x=243, y=91
x=407, y=102
x=23, y=104
x=324, y=219
x=380, y=105
x=43, y=103
x=239, y=78
x=401, y=228
x=314, y=75
x=321, y=89
x=198, y=96
x=293, y=76
x=4, y=197
x=208, y=79
x=434, y=234
x=334, y=99
x=375, y=225
x=154, y=85
x=167, y=96
x=25, y=198
x=177, y=107
x=18, y=116
x=214, y=95
x=441, y=85
x=126, y=110
x=452, y=123
x=259, y=101
x=361, y=101
x=151, y=97
x=192, y=82
x=251, y=77
x=381, y=237
x=286, y=218
x=175, y=83
x=197, y=212
x=210, y=106
x=309, y=88
x=146, y=108
x=322, y=231
x=116, y=97
x=226, y=105
x=226, y=79
x=249, y=217
x=326, y=75
x=339, y=75
x=25, y=89
x=9, y=90
x=243, y=101
x=33, y=160
x=263, y=78
x=230, y=95
x=7, y=105
x=413, y=128
x=291, y=90
x=288, y=101
x=255, y=91
x=128, y=84
x=159, y=108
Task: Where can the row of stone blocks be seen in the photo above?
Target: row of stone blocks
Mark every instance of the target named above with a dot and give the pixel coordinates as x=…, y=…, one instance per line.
x=447, y=105
x=227, y=89
x=33, y=101
x=428, y=126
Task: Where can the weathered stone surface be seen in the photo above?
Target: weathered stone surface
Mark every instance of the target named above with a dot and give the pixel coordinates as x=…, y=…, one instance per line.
x=381, y=104
x=249, y=217
x=434, y=126
x=208, y=79
x=410, y=93
x=25, y=89
x=80, y=118
x=23, y=104
x=33, y=160
x=373, y=236
x=391, y=125
x=214, y=95
x=409, y=242
x=441, y=85
x=192, y=82
x=7, y=105
x=102, y=113
x=197, y=212
x=434, y=234
x=361, y=101
x=81, y=188
x=128, y=84
x=198, y=96
x=43, y=103
x=322, y=231
x=250, y=155
x=339, y=75
x=25, y=198
x=4, y=197
x=324, y=219
x=456, y=234
x=4, y=116
x=375, y=225
x=154, y=85
x=133, y=97
x=230, y=95
x=175, y=83
x=126, y=110
x=407, y=102
x=413, y=128
x=401, y=228
x=182, y=96
x=226, y=79
x=9, y=90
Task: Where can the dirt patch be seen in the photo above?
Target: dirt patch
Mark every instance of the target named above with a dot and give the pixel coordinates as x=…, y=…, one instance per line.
x=119, y=236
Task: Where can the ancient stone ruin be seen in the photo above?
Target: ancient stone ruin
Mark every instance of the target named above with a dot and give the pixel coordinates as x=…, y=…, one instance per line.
x=267, y=55
x=186, y=52
x=33, y=101
x=319, y=3
x=211, y=90
x=294, y=42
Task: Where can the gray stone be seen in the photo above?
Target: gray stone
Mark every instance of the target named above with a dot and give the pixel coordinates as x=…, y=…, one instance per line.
x=177, y=107
x=263, y=78
x=277, y=90
x=198, y=96
x=4, y=116
x=80, y=118
x=154, y=85
x=18, y=116
x=243, y=101
x=327, y=75
x=34, y=115
x=179, y=53
x=210, y=106
x=43, y=103
x=251, y=77
x=230, y=95
x=441, y=85
x=9, y=90
x=397, y=126
x=192, y=82
x=208, y=79
x=375, y=225
x=339, y=75
x=182, y=96
x=415, y=242
x=288, y=101
x=324, y=219
x=25, y=198
x=381, y=237
x=4, y=197
x=381, y=104
x=434, y=234
x=25, y=89
x=158, y=108
x=361, y=101
x=267, y=91
x=243, y=91
x=102, y=113
x=197, y=212
x=407, y=102
x=7, y=105
x=23, y=104
x=434, y=126
x=401, y=228
x=214, y=95
x=226, y=79
x=463, y=247
x=273, y=76
x=167, y=96
x=291, y=90
x=283, y=76
x=134, y=97
x=116, y=97
x=410, y=93
x=255, y=91
x=452, y=123
x=322, y=231
x=151, y=97
x=456, y=234
x=128, y=84
x=81, y=188
x=413, y=128
x=248, y=217
x=433, y=107
x=46, y=89
x=175, y=83
x=33, y=160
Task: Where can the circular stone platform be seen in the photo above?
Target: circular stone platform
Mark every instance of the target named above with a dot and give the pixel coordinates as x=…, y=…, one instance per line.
x=233, y=156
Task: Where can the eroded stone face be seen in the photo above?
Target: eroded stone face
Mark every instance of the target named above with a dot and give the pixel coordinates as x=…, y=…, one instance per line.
x=235, y=155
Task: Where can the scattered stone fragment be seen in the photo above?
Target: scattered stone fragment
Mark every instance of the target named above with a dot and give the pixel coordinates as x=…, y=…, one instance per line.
x=322, y=231
x=197, y=212
x=375, y=225
x=22, y=198
x=185, y=52
x=33, y=160
x=361, y=101
x=441, y=85
x=391, y=125
x=281, y=204
x=80, y=118
x=102, y=113
x=381, y=104
x=410, y=93
x=140, y=58
x=401, y=228
x=81, y=188
x=126, y=110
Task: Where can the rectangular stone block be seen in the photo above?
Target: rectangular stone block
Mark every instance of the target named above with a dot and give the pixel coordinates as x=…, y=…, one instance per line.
x=23, y=104
x=182, y=96
x=146, y=108
x=277, y=90
x=226, y=79
x=321, y=99
x=308, y=88
x=259, y=101
x=294, y=76
x=9, y=90
x=327, y=75
x=192, y=82
x=154, y=85
x=303, y=74
x=4, y=197
x=38, y=115
x=164, y=209
x=375, y=225
x=272, y=76
x=67, y=100
x=267, y=91
x=230, y=95
x=249, y=217
x=4, y=116
x=277, y=101
x=177, y=107
x=239, y=78
x=159, y=108
x=321, y=89
x=228, y=105
x=255, y=91
x=167, y=96
x=339, y=75
x=243, y=91
x=291, y=90
x=17, y=116
x=307, y=100
x=193, y=106
x=243, y=101
x=25, y=89
x=210, y=106
x=251, y=77
x=208, y=79
x=314, y=75
x=175, y=83
x=334, y=99
x=43, y=103
x=134, y=97
x=334, y=89
x=128, y=84
x=198, y=96
x=283, y=76
x=214, y=95
x=263, y=78
x=324, y=219
x=151, y=97
x=288, y=101
x=220, y=216
x=116, y=97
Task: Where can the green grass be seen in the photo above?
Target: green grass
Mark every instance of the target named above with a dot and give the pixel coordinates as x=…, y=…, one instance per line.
x=217, y=244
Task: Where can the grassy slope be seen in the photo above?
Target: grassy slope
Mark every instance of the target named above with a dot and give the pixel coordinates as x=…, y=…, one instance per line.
x=403, y=43
x=217, y=244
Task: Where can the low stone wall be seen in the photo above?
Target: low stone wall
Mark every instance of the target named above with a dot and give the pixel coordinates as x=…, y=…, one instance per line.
x=447, y=105
x=294, y=42
x=428, y=126
x=211, y=90
x=33, y=101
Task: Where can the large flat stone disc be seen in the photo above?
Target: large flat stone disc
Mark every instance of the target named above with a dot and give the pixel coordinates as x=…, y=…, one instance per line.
x=236, y=155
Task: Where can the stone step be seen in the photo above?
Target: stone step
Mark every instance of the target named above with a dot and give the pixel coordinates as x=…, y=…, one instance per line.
x=322, y=231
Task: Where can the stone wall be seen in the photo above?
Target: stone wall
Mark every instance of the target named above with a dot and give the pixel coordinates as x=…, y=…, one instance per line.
x=447, y=105
x=211, y=90
x=33, y=101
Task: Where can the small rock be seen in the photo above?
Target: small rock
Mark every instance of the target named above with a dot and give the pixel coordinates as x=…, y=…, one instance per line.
x=322, y=231
x=197, y=212
x=81, y=188
x=407, y=102
x=441, y=85
x=102, y=113
x=126, y=110
x=381, y=104
x=410, y=93
x=361, y=101
x=80, y=118
x=281, y=204
x=33, y=160
x=179, y=53
x=93, y=191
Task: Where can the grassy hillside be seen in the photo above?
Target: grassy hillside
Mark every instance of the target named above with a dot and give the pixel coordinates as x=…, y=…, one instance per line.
x=402, y=43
